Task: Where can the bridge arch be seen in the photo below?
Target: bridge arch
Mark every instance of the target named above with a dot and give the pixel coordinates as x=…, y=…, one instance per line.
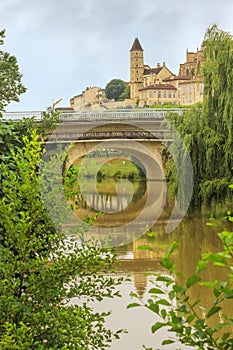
x=147, y=152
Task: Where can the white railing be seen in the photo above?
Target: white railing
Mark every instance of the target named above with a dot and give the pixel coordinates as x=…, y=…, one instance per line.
x=111, y=115
x=123, y=114
x=38, y=115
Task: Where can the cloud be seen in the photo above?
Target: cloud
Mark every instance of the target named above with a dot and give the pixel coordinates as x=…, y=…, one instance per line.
x=64, y=46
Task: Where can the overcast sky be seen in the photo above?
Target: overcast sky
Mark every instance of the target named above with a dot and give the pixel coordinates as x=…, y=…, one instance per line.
x=64, y=46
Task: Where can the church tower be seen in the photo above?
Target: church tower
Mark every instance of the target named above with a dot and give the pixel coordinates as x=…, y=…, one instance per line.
x=136, y=68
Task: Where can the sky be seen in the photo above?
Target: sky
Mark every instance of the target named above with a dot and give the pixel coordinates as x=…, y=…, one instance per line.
x=62, y=47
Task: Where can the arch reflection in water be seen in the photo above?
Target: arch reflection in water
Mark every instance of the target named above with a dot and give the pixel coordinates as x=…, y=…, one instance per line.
x=125, y=221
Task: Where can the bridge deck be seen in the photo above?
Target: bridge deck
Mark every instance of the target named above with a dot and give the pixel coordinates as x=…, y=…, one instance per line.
x=119, y=115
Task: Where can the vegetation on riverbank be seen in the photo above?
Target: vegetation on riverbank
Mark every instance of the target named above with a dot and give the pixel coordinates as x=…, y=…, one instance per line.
x=41, y=272
x=208, y=135
x=46, y=279
x=116, y=168
x=208, y=131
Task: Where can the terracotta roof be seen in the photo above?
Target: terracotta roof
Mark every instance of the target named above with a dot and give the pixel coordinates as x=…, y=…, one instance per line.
x=159, y=87
x=178, y=77
x=136, y=45
x=152, y=70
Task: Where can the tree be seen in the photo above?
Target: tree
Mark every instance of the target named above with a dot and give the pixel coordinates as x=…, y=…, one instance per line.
x=208, y=134
x=115, y=89
x=11, y=86
x=41, y=271
x=125, y=94
x=208, y=131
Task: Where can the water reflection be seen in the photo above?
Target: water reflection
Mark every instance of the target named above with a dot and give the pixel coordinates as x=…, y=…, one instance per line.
x=123, y=223
x=194, y=238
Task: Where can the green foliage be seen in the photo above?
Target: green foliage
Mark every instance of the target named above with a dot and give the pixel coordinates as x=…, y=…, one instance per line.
x=117, y=90
x=125, y=94
x=168, y=105
x=46, y=278
x=189, y=321
x=50, y=119
x=11, y=86
x=208, y=131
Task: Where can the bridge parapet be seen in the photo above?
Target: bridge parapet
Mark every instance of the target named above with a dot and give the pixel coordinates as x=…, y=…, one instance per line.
x=106, y=115
x=120, y=115
x=38, y=115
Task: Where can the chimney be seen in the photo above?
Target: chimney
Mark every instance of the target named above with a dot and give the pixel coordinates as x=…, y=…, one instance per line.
x=158, y=65
x=163, y=64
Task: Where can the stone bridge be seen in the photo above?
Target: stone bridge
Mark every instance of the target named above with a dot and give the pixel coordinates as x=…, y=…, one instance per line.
x=141, y=133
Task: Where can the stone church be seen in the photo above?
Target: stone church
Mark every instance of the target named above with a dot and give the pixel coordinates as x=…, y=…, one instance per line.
x=151, y=86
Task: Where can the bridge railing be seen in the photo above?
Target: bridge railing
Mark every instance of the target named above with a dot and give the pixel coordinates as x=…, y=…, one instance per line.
x=20, y=115
x=123, y=114
x=110, y=115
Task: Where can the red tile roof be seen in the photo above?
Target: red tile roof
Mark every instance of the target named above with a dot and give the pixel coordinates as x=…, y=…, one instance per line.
x=178, y=77
x=152, y=70
x=159, y=87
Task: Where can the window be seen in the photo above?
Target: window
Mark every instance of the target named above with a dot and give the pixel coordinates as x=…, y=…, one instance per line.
x=183, y=90
x=201, y=89
x=154, y=94
x=190, y=89
x=165, y=94
x=174, y=94
x=159, y=93
x=169, y=94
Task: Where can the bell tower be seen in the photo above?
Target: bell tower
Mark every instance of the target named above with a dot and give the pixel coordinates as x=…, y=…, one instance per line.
x=136, y=68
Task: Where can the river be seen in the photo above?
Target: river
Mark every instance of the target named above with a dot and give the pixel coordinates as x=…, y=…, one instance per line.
x=193, y=234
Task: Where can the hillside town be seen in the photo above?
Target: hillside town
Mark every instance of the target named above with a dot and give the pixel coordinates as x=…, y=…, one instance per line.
x=150, y=85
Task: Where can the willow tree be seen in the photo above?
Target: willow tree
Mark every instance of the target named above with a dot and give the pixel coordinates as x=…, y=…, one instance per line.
x=207, y=131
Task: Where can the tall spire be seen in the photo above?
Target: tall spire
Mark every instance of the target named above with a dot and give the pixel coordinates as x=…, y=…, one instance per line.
x=136, y=45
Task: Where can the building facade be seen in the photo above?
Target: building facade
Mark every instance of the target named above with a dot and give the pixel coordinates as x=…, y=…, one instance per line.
x=152, y=86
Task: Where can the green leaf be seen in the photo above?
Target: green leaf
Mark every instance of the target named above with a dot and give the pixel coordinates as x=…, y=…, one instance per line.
x=157, y=326
x=163, y=313
x=163, y=302
x=196, y=302
x=213, y=311
x=225, y=336
x=201, y=266
x=174, y=246
x=209, y=284
x=164, y=279
x=167, y=263
x=168, y=341
x=132, y=305
x=150, y=234
x=190, y=319
x=154, y=307
x=229, y=295
x=192, y=280
x=217, y=292
x=156, y=291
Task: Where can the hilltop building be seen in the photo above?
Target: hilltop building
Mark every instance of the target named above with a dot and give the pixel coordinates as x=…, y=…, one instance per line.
x=150, y=86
